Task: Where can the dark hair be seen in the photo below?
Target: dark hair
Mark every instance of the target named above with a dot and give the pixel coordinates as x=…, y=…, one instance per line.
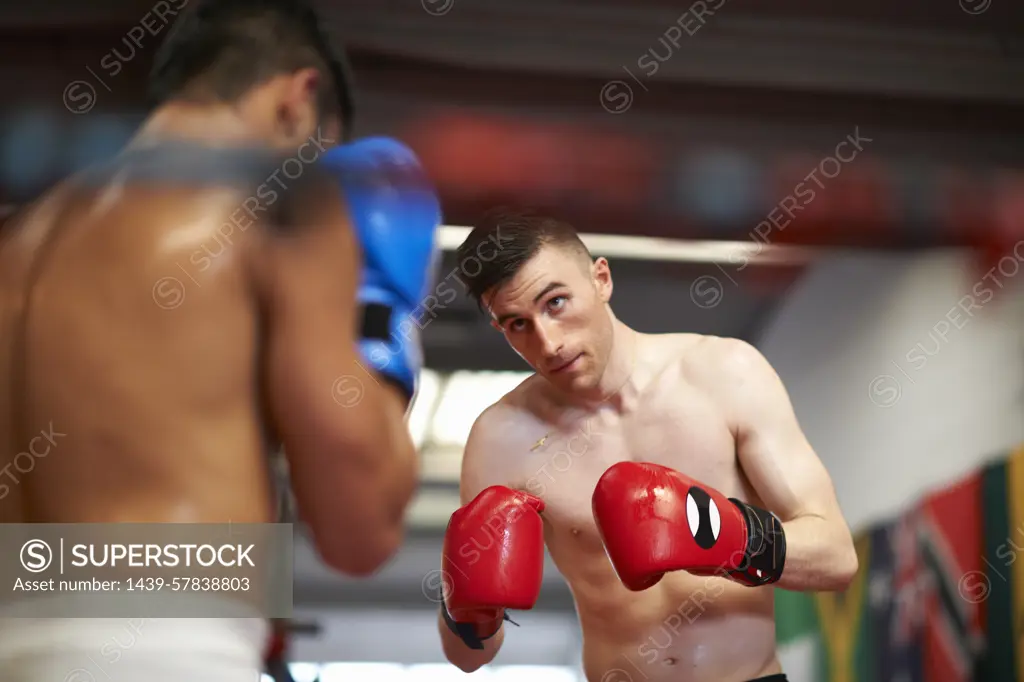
x=222, y=48
x=514, y=238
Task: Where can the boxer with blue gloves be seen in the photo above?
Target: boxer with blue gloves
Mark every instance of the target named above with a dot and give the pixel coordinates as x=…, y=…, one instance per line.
x=395, y=214
x=227, y=289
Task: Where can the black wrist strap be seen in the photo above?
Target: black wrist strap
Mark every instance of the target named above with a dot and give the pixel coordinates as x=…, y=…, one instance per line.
x=766, y=546
x=376, y=325
x=376, y=322
x=467, y=631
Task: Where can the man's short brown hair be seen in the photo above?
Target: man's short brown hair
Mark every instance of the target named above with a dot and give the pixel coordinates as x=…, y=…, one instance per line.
x=520, y=235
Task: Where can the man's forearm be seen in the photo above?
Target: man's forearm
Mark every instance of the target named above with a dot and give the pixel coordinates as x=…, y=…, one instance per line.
x=819, y=555
x=460, y=655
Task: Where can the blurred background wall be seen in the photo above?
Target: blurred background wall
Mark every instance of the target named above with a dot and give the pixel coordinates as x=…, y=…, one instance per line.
x=898, y=385
x=841, y=184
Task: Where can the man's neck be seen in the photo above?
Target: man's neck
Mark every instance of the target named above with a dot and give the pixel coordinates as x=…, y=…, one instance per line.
x=210, y=125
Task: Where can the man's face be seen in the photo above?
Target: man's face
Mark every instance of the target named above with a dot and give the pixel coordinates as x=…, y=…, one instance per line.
x=554, y=314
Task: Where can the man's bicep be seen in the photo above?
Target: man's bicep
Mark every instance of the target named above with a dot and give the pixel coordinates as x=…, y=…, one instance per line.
x=773, y=451
x=786, y=474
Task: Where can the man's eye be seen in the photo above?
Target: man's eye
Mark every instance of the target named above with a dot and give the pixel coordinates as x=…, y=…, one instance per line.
x=557, y=303
x=516, y=325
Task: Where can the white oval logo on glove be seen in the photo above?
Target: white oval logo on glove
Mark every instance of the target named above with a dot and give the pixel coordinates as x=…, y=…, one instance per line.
x=703, y=517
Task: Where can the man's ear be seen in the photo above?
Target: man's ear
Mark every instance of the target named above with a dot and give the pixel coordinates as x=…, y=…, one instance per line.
x=298, y=111
x=602, y=276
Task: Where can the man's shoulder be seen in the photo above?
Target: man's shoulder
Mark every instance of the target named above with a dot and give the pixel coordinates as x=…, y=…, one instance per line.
x=513, y=423
x=714, y=357
x=503, y=418
x=33, y=220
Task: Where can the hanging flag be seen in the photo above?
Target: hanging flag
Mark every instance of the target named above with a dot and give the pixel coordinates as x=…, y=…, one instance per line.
x=1001, y=588
x=897, y=585
x=951, y=550
x=798, y=634
x=843, y=624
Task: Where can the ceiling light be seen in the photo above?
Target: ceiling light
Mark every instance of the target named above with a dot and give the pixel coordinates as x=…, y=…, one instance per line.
x=466, y=395
x=427, y=392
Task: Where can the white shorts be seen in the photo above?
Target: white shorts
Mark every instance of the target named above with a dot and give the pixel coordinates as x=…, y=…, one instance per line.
x=132, y=649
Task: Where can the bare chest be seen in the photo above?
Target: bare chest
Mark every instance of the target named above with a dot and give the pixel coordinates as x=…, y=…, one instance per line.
x=687, y=433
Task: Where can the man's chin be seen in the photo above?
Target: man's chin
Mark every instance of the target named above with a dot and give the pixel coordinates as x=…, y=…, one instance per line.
x=569, y=381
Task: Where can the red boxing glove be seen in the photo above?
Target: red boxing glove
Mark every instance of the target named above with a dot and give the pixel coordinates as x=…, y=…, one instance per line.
x=653, y=520
x=493, y=559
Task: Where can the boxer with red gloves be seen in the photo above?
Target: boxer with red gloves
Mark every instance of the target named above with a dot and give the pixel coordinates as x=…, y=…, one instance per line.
x=658, y=556
x=653, y=520
x=493, y=561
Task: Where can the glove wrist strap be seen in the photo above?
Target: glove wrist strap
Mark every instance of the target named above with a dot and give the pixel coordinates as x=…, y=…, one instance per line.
x=765, y=554
x=467, y=631
x=376, y=322
x=380, y=350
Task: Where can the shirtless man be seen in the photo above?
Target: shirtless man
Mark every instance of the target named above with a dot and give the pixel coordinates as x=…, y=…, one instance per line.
x=620, y=453
x=171, y=317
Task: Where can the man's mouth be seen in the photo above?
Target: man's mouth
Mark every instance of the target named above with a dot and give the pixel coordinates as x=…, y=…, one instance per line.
x=567, y=365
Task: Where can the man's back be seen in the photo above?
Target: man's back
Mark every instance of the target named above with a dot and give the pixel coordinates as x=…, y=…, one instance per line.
x=166, y=317
x=129, y=333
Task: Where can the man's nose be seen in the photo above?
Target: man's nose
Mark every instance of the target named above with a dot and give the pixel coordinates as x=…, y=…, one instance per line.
x=550, y=339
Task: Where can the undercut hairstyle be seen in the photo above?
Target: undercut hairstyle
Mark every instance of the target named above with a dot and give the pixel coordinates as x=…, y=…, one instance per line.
x=218, y=50
x=503, y=241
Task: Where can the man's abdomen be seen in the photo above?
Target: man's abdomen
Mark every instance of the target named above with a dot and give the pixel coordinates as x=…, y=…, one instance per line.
x=685, y=628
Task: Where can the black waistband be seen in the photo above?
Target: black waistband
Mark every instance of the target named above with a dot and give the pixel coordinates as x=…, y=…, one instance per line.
x=781, y=677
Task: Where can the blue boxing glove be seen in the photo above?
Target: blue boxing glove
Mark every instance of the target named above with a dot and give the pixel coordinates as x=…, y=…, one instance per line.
x=396, y=214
